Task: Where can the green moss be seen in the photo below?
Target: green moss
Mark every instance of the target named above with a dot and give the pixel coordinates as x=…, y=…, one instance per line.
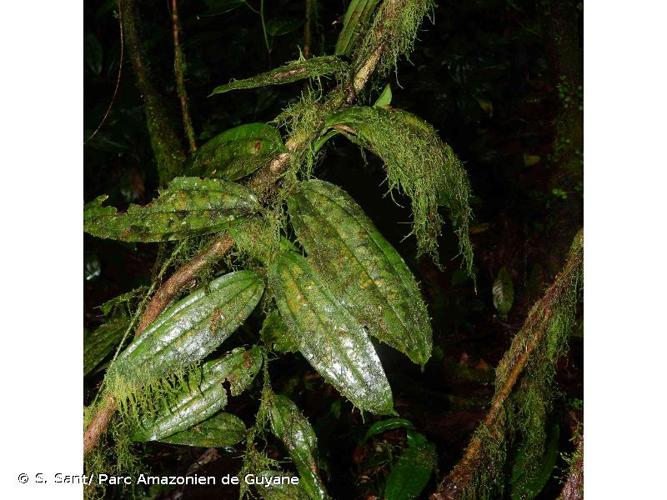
x=394, y=28
x=420, y=165
x=522, y=422
x=314, y=68
x=115, y=455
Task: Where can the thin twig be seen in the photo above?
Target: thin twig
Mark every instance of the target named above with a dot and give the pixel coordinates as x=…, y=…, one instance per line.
x=179, y=71
x=165, y=142
x=266, y=36
x=118, y=76
x=181, y=278
x=308, y=29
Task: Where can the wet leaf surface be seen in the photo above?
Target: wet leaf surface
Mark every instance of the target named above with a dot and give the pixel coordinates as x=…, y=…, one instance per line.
x=189, y=206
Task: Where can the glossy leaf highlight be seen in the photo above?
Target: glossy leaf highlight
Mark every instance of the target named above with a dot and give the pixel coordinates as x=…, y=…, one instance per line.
x=361, y=267
x=187, y=331
x=202, y=395
x=237, y=152
x=328, y=336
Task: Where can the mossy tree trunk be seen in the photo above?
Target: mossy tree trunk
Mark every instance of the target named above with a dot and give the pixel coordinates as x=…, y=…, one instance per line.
x=165, y=142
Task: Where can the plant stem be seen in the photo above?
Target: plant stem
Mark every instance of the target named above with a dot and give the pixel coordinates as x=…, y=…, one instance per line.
x=308, y=29
x=263, y=184
x=166, y=145
x=182, y=277
x=536, y=326
x=266, y=36
x=179, y=71
x=121, y=60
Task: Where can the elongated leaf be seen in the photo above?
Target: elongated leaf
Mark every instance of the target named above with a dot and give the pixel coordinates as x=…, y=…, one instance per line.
x=503, y=292
x=528, y=480
x=237, y=152
x=409, y=476
x=361, y=267
x=187, y=331
x=290, y=426
x=279, y=489
x=294, y=71
x=97, y=345
x=418, y=164
x=218, y=431
x=188, y=206
x=202, y=396
x=389, y=424
x=355, y=22
x=328, y=336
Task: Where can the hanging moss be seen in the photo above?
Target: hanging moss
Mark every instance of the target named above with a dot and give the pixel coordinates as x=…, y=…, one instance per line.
x=116, y=455
x=394, y=28
x=419, y=165
x=525, y=390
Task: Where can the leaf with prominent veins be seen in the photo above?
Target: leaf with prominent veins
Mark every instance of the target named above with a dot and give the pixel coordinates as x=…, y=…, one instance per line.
x=189, y=206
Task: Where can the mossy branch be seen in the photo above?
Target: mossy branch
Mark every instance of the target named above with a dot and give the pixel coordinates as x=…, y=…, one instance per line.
x=179, y=71
x=263, y=183
x=573, y=489
x=166, y=146
x=543, y=321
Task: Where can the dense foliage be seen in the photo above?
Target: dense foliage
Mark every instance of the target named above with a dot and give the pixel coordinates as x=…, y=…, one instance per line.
x=314, y=227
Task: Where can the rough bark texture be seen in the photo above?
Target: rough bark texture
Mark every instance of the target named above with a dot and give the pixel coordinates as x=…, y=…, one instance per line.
x=537, y=324
x=179, y=72
x=98, y=425
x=165, y=143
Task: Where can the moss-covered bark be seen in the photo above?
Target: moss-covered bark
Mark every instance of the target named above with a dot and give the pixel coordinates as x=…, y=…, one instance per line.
x=167, y=148
x=524, y=390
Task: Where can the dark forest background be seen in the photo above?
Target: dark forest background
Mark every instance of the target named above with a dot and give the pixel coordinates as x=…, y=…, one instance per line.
x=500, y=81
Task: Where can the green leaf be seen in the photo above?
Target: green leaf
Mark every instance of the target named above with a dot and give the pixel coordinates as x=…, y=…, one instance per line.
x=294, y=71
x=98, y=344
x=218, y=431
x=275, y=334
x=528, y=482
x=389, y=424
x=93, y=53
x=280, y=26
x=361, y=267
x=237, y=152
x=503, y=292
x=202, y=395
x=189, y=206
x=280, y=491
x=328, y=336
x=385, y=97
x=355, y=22
x=290, y=426
x=411, y=473
x=419, y=165
x=186, y=332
